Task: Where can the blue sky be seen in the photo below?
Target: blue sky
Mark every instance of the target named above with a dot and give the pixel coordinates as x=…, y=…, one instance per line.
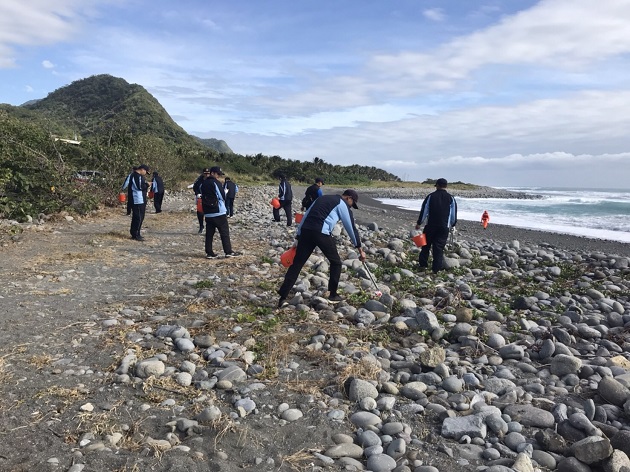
x=496, y=92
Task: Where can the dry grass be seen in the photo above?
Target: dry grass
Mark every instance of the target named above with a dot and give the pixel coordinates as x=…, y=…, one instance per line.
x=67, y=394
x=362, y=370
x=5, y=374
x=275, y=351
x=40, y=361
x=224, y=425
x=297, y=460
x=156, y=389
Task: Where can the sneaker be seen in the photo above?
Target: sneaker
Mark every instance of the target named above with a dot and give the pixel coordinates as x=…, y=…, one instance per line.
x=211, y=255
x=232, y=254
x=282, y=303
x=335, y=299
x=138, y=238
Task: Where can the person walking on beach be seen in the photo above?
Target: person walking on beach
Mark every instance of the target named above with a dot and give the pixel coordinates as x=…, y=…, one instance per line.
x=138, y=191
x=315, y=231
x=157, y=186
x=485, y=219
x=285, y=195
x=312, y=193
x=231, y=189
x=213, y=201
x=439, y=211
x=125, y=186
x=197, y=189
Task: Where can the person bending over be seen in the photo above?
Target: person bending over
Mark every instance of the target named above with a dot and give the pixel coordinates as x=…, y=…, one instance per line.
x=315, y=231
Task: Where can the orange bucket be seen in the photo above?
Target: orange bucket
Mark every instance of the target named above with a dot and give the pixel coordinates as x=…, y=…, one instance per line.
x=286, y=259
x=199, y=206
x=122, y=197
x=151, y=194
x=420, y=239
x=275, y=203
x=298, y=217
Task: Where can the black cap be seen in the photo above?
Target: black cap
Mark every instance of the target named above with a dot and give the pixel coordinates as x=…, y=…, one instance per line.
x=206, y=170
x=318, y=180
x=143, y=166
x=441, y=183
x=216, y=170
x=354, y=195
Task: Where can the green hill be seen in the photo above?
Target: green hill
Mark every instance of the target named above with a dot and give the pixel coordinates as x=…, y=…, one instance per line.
x=103, y=123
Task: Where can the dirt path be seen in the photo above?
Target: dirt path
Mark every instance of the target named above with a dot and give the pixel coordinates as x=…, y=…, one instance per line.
x=58, y=285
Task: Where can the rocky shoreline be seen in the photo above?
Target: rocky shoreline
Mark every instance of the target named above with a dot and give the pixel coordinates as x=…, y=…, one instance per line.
x=479, y=192
x=516, y=358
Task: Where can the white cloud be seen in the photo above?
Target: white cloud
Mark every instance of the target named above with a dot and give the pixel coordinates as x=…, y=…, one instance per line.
x=39, y=22
x=434, y=14
x=48, y=65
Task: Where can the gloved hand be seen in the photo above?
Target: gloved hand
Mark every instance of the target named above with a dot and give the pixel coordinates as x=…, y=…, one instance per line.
x=199, y=195
x=453, y=230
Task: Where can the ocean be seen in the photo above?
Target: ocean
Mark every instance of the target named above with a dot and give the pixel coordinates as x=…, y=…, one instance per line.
x=594, y=213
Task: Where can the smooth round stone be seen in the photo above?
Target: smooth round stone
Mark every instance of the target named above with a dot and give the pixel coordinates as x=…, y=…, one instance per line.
x=512, y=440
x=336, y=415
x=368, y=439
x=381, y=463
x=292, y=414
x=363, y=419
x=345, y=450
x=184, y=379
x=392, y=428
x=452, y=384
x=185, y=344
x=514, y=427
x=373, y=450
x=544, y=459
x=367, y=404
x=491, y=454
x=496, y=341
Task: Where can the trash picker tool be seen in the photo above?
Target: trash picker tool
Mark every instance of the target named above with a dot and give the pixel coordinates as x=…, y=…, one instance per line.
x=378, y=293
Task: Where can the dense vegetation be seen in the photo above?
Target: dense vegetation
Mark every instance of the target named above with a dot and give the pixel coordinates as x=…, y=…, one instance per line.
x=118, y=126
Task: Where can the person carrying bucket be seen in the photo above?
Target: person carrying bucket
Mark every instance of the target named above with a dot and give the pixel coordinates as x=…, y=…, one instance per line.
x=285, y=197
x=485, y=219
x=316, y=231
x=196, y=186
x=439, y=211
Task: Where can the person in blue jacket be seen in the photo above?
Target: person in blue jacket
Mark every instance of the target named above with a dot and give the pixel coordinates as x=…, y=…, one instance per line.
x=213, y=200
x=138, y=192
x=312, y=193
x=439, y=211
x=231, y=189
x=315, y=231
x=285, y=195
x=125, y=186
x=197, y=189
x=157, y=186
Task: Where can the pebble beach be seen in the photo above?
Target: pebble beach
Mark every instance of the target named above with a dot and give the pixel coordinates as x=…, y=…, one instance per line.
x=515, y=358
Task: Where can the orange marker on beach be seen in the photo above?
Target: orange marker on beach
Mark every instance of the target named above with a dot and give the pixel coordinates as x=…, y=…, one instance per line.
x=485, y=219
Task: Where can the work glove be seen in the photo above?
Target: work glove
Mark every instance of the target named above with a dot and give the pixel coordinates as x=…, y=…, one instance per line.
x=453, y=230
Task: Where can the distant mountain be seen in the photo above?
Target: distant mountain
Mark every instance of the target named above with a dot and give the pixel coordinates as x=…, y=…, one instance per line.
x=216, y=144
x=101, y=103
